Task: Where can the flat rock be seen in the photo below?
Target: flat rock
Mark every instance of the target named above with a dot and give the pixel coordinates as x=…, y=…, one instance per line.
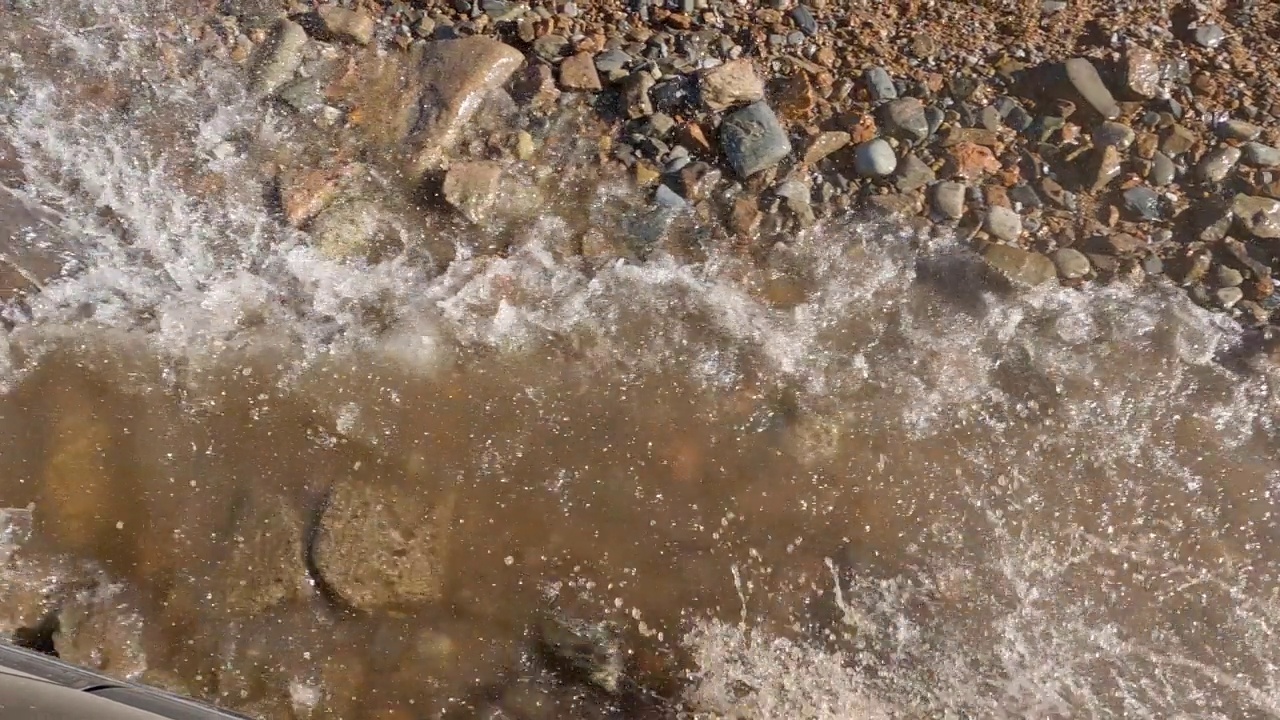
x=1216, y=165
x=578, y=72
x=1003, y=223
x=1071, y=263
x=347, y=25
x=455, y=77
x=279, y=59
x=905, y=118
x=1259, y=216
x=912, y=174
x=752, y=139
x=375, y=553
x=1020, y=266
x=1084, y=79
x=733, y=83
x=825, y=143
x=473, y=189
x=874, y=158
x=1259, y=155
x=1239, y=130
x=948, y=199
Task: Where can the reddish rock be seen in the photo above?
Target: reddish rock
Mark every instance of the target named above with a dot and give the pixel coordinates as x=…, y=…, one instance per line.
x=970, y=160
x=579, y=73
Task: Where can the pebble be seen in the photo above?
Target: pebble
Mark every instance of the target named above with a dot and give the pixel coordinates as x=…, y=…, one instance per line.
x=948, y=199
x=1143, y=201
x=281, y=58
x=825, y=143
x=1238, y=130
x=1071, y=263
x=1084, y=78
x=473, y=189
x=804, y=20
x=1003, y=223
x=1227, y=276
x=905, y=118
x=880, y=84
x=874, y=159
x=1114, y=133
x=1216, y=165
x=1210, y=36
x=1259, y=155
x=912, y=174
x=579, y=73
x=347, y=25
x=752, y=139
x=1142, y=72
x=1020, y=266
x=1227, y=297
x=1162, y=170
x=1260, y=216
x=733, y=83
x=668, y=198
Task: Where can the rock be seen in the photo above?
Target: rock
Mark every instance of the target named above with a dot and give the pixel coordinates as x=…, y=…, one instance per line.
x=1142, y=72
x=1209, y=36
x=744, y=217
x=578, y=72
x=636, y=102
x=303, y=95
x=455, y=75
x=668, y=198
x=346, y=229
x=280, y=58
x=1259, y=216
x=612, y=61
x=1071, y=264
x=536, y=86
x=346, y=25
x=1227, y=276
x=752, y=139
x=1227, y=297
x=1084, y=79
x=1020, y=266
x=825, y=143
x=905, y=118
x=1238, y=130
x=1107, y=167
x=1114, y=133
x=912, y=174
x=879, y=84
x=591, y=650
x=473, y=189
x=525, y=147
x=1259, y=155
x=376, y=553
x=697, y=181
x=874, y=158
x=550, y=47
x=1003, y=223
x=972, y=161
x=948, y=199
x=1216, y=165
x=1179, y=140
x=268, y=547
x=1143, y=202
x=305, y=192
x=733, y=83
x=1162, y=170
x=804, y=20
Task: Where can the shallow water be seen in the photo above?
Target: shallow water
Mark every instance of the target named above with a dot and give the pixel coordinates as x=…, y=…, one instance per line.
x=862, y=481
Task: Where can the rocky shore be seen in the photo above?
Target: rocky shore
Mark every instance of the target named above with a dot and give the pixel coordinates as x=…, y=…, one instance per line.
x=1067, y=142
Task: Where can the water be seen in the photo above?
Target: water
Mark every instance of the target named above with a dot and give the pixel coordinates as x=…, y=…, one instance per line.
x=855, y=480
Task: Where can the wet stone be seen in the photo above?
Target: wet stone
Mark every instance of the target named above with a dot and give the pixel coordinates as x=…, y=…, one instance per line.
x=732, y=83
x=912, y=174
x=1238, y=130
x=1179, y=140
x=1162, y=170
x=874, y=159
x=280, y=58
x=804, y=20
x=1259, y=155
x=752, y=140
x=1216, y=165
x=1113, y=133
x=948, y=199
x=347, y=25
x=1071, y=263
x=1020, y=266
x=578, y=72
x=1227, y=297
x=1084, y=79
x=824, y=144
x=1143, y=202
x=636, y=102
x=473, y=189
x=611, y=61
x=1259, y=216
x=1142, y=72
x=1107, y=167
x=880, y=84
x=550, y=47
x=1227, y=276
x=1210, y=36
x=668, y=198
x=346, y=229
x=905, y=118
x=1003, y=223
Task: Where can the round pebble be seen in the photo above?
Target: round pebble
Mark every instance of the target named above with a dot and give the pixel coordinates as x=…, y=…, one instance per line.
x=874, y=159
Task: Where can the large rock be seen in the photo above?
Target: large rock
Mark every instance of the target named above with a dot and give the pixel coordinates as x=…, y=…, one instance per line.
x=732, y=83
x=265, y=563
x=455, y=77
x=378, y=549
x=753, y=140
x=1020, y=266
x=1087, y=83
x=1259, y=216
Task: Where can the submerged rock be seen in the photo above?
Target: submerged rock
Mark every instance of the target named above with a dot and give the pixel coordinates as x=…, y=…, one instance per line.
x=591, y=651
x=346, y=229
x=1259, y=216
x=473, y=189
x=1020, y=266
x=280, y=58
x=347, y=25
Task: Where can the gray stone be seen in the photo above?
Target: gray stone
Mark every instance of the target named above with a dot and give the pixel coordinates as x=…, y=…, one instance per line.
x=1020, y=266
x=1071, y=263
x=948, y=199
x=1259, y=155
x=1084, y=78
x=635, y=95
x=1003, y=223
x=874, y=158
x=804, y=20
x=1227, y=276
x=1216, y=165
x=612, y=61
x=753, y=140
x=912, y=174
x=1143, y=202
x=1162, y=170
x=280, y=58
x=303, y=95
x=733, y=83
x=880, y=84
x=668, y=198
x=1227, y=297
x=905, y=118
x=1238, y=130
x=345, y=229
x=550, y=47
x=1259, y=216
x=1119, y=135
x=1210, y=36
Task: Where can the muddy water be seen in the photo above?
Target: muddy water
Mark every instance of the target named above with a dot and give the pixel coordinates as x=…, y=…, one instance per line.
x=860, y=481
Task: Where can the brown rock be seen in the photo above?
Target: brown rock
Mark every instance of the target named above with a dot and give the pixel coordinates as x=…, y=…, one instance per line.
x=473, y=189
x=1146, y=145
x=825, y=143
x=635, y=95
x=969, y=160
x=305, y=192
x=974, y=136
x=862, y=129
x=348, y=25
x=579, y=73
x=733, y=83
x=796, y=100
x=1142, y=72
x=1178, y=140
x=1106, y=167
x=536, y=87
x=744, y=219
x=1020, y=266
x=692, y=136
